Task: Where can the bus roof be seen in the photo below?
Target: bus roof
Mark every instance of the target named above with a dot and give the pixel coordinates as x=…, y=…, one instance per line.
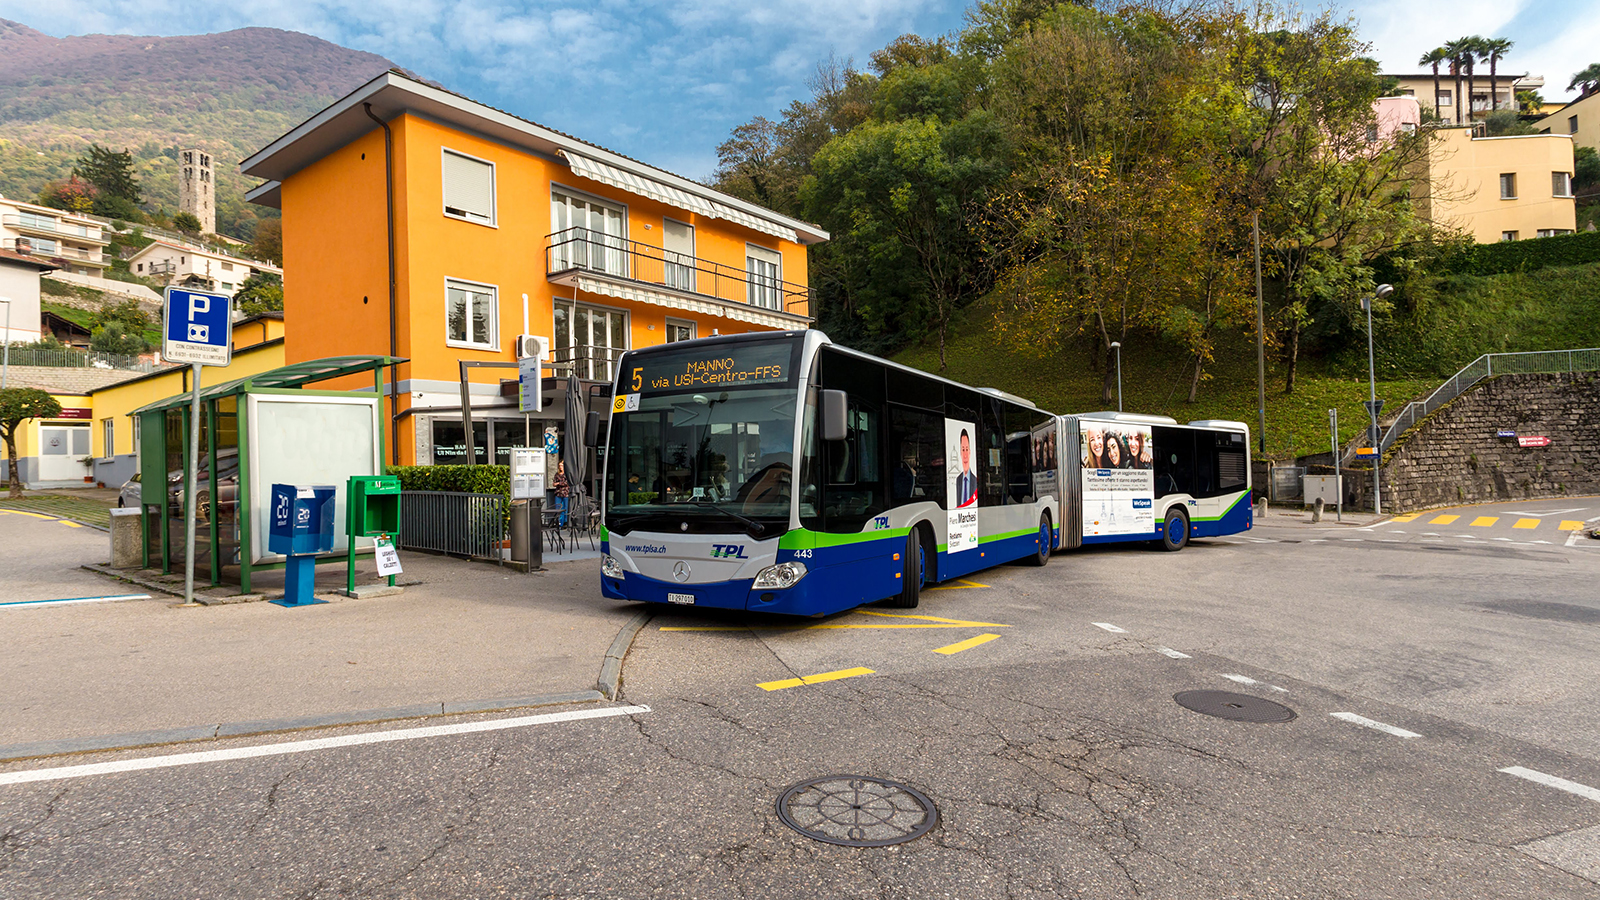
x=1225, y=424
x=1012, y=397
x=1140, y=418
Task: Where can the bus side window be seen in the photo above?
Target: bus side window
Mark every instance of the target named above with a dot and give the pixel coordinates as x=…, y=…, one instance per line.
x=1174, y=459
x=917, y=466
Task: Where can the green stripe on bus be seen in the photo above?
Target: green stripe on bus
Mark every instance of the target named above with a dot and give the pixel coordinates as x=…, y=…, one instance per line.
x=804, y=539
x=1221, y=514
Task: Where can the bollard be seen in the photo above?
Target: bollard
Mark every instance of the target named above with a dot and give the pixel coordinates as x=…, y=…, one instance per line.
x=1316, y=511
x=1261, y=508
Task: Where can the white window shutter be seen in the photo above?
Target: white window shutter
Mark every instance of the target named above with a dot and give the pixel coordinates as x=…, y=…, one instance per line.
x=468, y=187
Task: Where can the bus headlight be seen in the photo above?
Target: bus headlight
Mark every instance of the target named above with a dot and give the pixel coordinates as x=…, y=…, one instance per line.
x=610, y=567
x=783, y=575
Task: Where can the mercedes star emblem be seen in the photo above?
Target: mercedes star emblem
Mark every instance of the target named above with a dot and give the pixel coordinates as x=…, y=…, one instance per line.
x=680, y=571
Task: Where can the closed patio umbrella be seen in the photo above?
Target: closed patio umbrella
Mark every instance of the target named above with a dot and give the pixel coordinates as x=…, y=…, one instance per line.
x=573, y=450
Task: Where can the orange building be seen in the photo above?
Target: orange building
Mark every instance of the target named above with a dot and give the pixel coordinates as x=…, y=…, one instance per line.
x=491, y=227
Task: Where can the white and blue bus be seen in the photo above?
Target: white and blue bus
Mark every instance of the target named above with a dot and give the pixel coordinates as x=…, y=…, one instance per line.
x=779, y=472
x=1146, y=478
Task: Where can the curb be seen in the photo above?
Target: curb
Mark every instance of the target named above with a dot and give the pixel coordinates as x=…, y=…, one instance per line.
x=610, y=682
x=126, y=575
x=195, y=733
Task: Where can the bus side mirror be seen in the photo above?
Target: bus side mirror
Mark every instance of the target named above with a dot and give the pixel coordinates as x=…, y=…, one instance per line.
x=835, y=424
x=591, y=430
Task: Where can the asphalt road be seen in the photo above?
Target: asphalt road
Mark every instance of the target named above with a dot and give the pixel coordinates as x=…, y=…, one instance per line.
x=1054, y=751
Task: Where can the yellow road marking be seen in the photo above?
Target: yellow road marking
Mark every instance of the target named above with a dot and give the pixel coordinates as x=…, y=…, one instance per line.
x=967, y=644
x=1571, y=525
x=1485, y=521
x=960, y=585
x=813, y=679
x=20, y=512
x=922, y=622
x=1406, y=518
x=1526, y=523
x=1443, y=520
x=69, y=524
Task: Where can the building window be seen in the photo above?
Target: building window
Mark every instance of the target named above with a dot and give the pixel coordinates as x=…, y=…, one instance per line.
x=765, y=269
x=135, y=435
x=590, y=234
x=1408, y=127
x=1444, y=98
x=677, y=255
x=141, y=267
x=1508, y=186
x=680, y=331
x=1372, y=133
x=592, y=338
x=227, y=267
x=1508, y=235
x=108, y=438
x=468, y=188
x=1572, y=124
x=1554, y=232
x=1561, y=184
x=470, y=315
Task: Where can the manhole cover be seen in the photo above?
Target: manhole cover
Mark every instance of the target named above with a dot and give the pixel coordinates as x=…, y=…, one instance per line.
x=1238, y=707
x=857, y=811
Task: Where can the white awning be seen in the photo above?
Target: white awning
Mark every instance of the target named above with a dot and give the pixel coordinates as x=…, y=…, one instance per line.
x=741, y=312
x=755, y=223
x=638, y=184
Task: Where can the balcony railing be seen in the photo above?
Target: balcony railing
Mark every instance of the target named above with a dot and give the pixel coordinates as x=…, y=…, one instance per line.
x=47, y=225
x=583, y=250
x=51, y=250
x=163, y=267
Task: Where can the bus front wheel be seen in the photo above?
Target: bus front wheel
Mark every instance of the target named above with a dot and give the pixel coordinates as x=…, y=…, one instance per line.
x=1175, y=531
x=912, y=567
x=1043, y=555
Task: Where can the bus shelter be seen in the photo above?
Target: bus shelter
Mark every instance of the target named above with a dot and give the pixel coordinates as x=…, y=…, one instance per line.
x=264, y=429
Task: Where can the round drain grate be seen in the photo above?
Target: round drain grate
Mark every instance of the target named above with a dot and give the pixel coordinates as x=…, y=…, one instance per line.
x=1238, y=707
x=857, y=811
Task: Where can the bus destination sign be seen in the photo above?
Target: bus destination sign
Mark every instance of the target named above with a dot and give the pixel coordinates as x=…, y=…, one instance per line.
x=711, y=369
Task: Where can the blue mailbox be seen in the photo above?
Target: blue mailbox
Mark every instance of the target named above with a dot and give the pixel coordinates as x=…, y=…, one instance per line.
x=301, y=527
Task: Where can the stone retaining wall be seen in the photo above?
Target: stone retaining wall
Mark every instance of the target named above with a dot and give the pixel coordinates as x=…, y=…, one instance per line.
x=1454, y=456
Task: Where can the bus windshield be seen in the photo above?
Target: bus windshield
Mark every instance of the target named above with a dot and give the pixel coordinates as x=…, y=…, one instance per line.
x=718, y=460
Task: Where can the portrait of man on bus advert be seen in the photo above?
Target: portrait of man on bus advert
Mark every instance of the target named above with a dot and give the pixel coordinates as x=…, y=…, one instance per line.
x=961, y=483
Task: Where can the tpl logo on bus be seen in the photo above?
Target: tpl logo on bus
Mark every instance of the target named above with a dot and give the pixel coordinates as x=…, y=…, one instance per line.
x=728, y=551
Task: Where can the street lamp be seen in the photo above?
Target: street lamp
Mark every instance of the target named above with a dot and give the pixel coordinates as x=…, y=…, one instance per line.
x=1117, y=346
x=5, y=368
x=1381, y=292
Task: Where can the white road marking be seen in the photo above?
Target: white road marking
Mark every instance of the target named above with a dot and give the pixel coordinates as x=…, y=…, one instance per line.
x=1374, y=724
x=349, y=740
x=1571, y=787
x=1246, y=679
x=1109, y=627
x=1317, y=541
x=1431, y=533
x=1572, y=539
x=1353, y=540
x=1548, y=512
x=1175, y=654
x=68, y=601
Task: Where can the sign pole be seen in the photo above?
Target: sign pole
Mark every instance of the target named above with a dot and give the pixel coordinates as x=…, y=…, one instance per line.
x=1338, y=480
x=189, y=479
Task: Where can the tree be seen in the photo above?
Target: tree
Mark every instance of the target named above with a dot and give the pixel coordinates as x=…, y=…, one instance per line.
x=1585, y=170
x=1506, y=122
x=1586, y=81
x=1530, y=103
x=17, y=405
x=186, y=222
x=112, y=175
x=114, y=339
x=1459, y=54
x=268, y=242
x=129, y=314
x=1493, y=49
x=259, y=293
x=1433, y=58
x=72, y=195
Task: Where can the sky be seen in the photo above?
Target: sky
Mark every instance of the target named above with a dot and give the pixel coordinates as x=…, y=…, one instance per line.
x=665, y=81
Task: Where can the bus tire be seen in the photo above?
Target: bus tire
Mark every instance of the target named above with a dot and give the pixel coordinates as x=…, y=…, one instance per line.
x=1176, y=523
x=1043, y=555
x=912, y=567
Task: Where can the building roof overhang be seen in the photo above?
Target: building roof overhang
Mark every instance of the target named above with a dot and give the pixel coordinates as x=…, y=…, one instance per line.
x=392, y=94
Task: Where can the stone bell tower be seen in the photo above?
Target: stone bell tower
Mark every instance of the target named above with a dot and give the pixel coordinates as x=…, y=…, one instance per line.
x=197, y=188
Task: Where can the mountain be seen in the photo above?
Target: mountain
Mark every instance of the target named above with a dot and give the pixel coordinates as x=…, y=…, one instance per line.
x=229, y=93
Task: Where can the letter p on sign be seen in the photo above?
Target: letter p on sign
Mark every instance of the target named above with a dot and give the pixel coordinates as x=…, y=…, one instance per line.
x=198, y=303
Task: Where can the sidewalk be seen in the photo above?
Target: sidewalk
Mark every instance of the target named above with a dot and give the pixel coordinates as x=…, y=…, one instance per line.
x=1294, y=515
x=462, y=636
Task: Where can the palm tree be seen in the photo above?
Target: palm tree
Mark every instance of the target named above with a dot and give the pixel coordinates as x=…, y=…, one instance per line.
x=1587, y=81
x=1433, y=58
x=1492, y=49
x=1456, y=50
x=1471, y=49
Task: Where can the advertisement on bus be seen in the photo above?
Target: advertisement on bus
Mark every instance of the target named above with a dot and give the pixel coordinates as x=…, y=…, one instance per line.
x=1118, y=479
x=961, y=485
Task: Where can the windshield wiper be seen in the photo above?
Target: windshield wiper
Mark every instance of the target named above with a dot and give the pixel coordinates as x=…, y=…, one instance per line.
x=755, y=528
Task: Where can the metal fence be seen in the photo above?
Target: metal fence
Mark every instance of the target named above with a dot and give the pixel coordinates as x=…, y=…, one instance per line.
x=1287, y=483
x=1540, y=362
x=460, y=524
x=73, y=358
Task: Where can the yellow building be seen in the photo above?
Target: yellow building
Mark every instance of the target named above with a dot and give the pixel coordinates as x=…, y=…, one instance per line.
x=497, y=227
x=1488, y=94
x=1579, y=119
x=1499, y=188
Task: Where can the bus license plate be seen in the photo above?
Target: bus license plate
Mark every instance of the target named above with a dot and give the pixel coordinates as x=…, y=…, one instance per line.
x=683, y=599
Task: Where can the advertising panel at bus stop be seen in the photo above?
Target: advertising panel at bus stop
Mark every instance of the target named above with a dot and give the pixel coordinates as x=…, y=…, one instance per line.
x=1118, y=479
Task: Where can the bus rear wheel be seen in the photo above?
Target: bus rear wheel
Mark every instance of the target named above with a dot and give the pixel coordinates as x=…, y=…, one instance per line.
x=1175, y=531
x=912, y=566
x=1043, y=556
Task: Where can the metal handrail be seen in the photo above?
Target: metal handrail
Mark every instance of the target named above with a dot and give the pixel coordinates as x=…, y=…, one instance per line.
x=587, y=250
x=31, y=247
x=1534, y=362
x=54, y=226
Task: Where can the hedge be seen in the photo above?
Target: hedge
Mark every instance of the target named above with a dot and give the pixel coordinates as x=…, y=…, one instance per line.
x=464, y=479
x=1506, y=257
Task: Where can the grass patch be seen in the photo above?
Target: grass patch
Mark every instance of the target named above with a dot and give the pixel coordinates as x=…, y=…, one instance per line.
x=77, y=509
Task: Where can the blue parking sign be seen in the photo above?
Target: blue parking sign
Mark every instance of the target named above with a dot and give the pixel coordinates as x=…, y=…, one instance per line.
x=198, y=328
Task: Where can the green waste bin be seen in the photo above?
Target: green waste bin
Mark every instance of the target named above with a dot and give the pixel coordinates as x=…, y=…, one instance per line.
x=374, y=511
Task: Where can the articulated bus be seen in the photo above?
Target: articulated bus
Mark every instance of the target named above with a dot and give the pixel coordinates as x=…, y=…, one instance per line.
x=1147, y=478
x=779, y=472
